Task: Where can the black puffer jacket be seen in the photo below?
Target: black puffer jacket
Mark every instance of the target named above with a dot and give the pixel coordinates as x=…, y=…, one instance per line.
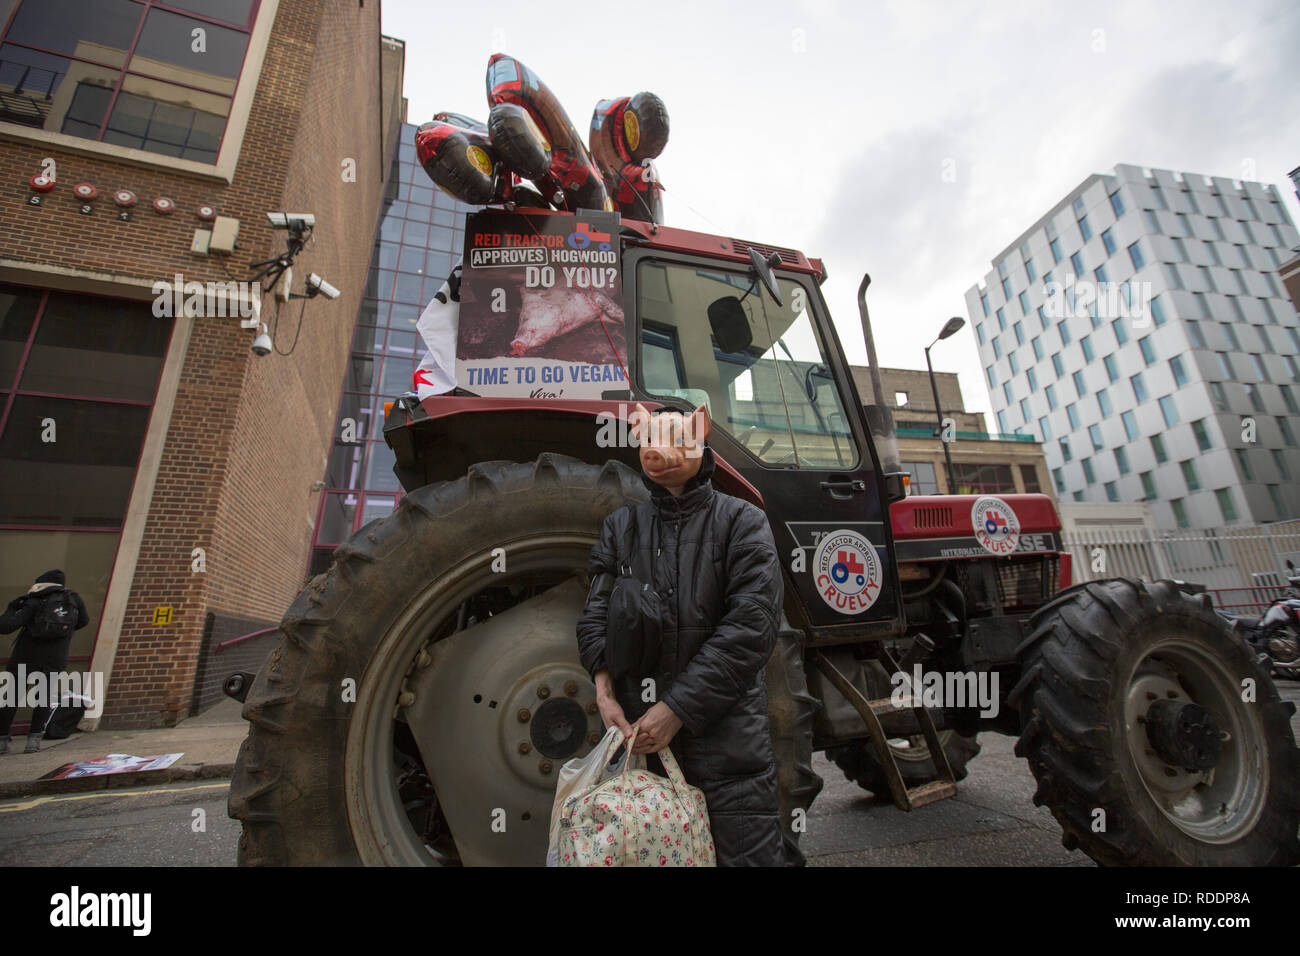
x=713, y=561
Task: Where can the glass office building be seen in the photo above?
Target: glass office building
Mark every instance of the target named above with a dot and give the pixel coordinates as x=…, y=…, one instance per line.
x=420, y=237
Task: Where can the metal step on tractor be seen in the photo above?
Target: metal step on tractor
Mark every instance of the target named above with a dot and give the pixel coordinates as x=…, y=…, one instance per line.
x=911, y=623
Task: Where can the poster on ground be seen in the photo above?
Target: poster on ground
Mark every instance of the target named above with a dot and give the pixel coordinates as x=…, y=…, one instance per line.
x=541, y=306
x=112, y=763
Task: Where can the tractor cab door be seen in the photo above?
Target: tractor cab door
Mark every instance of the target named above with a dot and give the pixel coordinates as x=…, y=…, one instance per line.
x=785, y=415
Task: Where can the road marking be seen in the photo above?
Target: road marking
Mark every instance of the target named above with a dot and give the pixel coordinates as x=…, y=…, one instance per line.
x=40, y=801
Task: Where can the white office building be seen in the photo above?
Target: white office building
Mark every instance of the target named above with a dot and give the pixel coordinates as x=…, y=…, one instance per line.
x=1140, y=331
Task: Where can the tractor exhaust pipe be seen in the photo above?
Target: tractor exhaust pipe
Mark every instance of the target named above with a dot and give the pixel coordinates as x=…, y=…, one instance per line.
x=879, y=418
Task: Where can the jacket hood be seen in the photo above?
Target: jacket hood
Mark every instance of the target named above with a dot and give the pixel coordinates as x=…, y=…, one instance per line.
x=695, y=493
x=56, y=577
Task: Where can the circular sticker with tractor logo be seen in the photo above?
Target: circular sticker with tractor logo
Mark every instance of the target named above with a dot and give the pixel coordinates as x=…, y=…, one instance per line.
x=847, y=571
x=997, y=528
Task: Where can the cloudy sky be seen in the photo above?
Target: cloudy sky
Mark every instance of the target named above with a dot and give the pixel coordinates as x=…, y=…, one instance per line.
x=827, y=125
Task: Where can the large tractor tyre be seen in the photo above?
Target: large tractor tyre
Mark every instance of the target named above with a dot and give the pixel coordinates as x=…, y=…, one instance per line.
x=1155, y=736
x=426, y=688
x=858, y=760
x=791, y=709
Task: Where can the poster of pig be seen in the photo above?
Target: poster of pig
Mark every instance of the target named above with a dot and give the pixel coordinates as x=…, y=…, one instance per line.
x=541, y=306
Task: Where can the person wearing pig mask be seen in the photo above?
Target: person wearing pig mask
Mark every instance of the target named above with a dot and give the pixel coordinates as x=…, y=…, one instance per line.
x=715, y=587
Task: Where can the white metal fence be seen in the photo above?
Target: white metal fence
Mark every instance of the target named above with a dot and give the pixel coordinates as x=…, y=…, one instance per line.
x=1243, y=567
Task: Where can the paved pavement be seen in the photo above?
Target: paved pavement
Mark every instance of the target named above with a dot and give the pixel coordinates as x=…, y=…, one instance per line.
x=150, y=819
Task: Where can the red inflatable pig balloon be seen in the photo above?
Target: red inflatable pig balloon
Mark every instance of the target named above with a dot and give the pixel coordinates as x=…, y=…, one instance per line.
x=537, y=127
x=626, y=133
x=461, y=160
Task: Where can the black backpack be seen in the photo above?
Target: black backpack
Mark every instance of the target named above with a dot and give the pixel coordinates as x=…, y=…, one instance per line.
x=55, y=619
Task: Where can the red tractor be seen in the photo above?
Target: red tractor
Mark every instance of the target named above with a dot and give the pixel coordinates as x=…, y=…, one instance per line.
x=426, y=688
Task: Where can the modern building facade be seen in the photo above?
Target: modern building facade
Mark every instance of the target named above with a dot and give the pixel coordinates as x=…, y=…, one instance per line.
x=148, y=452
x=982, y=462
x=1139, y=330
x=420, y=236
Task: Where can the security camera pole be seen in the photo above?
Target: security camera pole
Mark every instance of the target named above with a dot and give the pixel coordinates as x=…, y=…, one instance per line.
x=949, y=328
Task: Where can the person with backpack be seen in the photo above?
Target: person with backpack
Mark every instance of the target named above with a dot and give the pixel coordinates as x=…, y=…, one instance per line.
x=45, y=617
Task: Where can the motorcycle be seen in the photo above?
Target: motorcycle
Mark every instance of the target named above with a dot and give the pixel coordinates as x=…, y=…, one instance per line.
x=1276, y=633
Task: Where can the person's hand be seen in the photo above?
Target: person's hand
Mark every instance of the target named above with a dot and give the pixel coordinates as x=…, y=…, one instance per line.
x=657, y=729
x=611, y=711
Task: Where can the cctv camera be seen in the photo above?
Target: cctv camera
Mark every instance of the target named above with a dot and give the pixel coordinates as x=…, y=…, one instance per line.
x=296, y=221
x=316, y=284
x=262, y=344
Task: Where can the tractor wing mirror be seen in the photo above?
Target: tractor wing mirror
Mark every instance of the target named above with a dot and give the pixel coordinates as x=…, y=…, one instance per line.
x=763, y=269
x=730, y=324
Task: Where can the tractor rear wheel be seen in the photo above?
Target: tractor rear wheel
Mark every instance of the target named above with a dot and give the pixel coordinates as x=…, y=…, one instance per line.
x=427, y=689
x=1155, y=736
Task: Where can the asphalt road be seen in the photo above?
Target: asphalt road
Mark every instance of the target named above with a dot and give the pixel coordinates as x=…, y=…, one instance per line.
x=991, y=822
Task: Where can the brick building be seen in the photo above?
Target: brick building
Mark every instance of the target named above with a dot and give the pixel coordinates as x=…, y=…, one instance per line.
x=169, y=434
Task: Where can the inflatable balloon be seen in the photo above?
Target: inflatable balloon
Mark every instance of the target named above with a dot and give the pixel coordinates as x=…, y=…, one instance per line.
x=519, y=141
x=572, y=181
x=625, y=134
x=460, y=119
x=630, y=129
x=521, y=194
x=462, y=161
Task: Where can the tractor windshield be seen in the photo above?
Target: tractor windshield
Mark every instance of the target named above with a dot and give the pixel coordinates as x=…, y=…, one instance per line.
x=764, y=378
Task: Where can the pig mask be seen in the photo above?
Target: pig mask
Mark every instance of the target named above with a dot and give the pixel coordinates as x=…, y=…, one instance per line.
x=672, y=445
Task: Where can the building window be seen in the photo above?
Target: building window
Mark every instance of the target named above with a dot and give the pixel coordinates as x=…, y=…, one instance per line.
x=1065, y=449
x=1072, y=414
x=1088, y=475
x=1050, y=392
x=1157, y=312
x=1003, y=428
x=1180, y=374
x=1019, y=331
x=1024, y=411
x=1193, y=332
x=1153, y=224
x=1257, y=362
x=1079, y=386
x=1268, y=311
x=1284, y=427
x=1292, y=367
x=1252, y=393
x=1148, y=486
x=1006, y=392
x=1289, y=399
x=922, y=479
x=997, y=348
x=1108, y=241
x=1168, y=410
x=1112, y=493
x=1275, y=496
x=1006, y=285
x=991, y=377
x=1226, y=507
x=1076, y=263
x=1121, y=334
x=1116, y=204
x=1032, y=379
x=1059, y=366
x=1225, y=366
x=1024, y=305
x=1086, y=343
x=1139, y=388
x=1243, y=460
x=1135, y=256
x=1279, y=462
x=1103, y=403
x=1058, y=478
x=1055, y=246
x=1002, y=320
x=1219, y=396
x=1171, y=274
x=1231, y=335
x=1037, y=346
x=126, y=73
x=1014, y=363
x=1030, y=273
x=1180, y=513
x=983, y=479
x=984, y=303
x=1042, y=318
x=1148, y=350
x=1045, y=429
x=1202, y=434
x=1065, y=333
x=1094, y=435
x=979, y=332
x=1130, y=425
x=1112, y=367
x=1189, y=475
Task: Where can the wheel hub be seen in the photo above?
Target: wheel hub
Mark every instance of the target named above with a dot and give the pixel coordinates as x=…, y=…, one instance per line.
x=1183, y=734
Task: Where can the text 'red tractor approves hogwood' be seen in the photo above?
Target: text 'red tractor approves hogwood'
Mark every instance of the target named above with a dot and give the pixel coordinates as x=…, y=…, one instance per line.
x=1154, y=734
